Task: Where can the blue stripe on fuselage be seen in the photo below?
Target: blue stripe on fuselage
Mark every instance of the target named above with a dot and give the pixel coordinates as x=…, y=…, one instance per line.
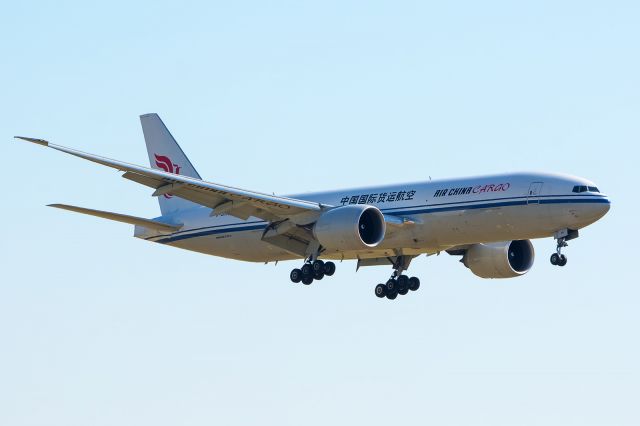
x=481, y=204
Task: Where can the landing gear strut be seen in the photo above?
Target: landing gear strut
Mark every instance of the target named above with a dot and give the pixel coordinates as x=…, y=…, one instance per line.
x=398, y=284
x=312, y=270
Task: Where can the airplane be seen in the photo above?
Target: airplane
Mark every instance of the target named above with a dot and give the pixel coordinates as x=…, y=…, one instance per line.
x=486, y=220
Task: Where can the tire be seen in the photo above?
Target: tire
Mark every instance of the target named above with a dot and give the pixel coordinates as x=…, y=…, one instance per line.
x=307, y=270
x=296, y=275
x=329, y=268
x=414, y=283
x=392, y=295
x=318, y=266
x=403, y=284
x=563, y=260
x=307, y=279
x=318, y=275
x=380, y=290
x=555, y=259
x=391, y=286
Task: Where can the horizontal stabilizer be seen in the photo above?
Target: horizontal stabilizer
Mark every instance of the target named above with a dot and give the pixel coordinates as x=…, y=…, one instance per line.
x=132, y=220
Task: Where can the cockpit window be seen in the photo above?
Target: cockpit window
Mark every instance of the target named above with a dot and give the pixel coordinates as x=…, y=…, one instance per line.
x=583, y=188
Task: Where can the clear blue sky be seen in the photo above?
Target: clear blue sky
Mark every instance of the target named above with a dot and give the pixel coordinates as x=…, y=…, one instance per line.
x=98, y=328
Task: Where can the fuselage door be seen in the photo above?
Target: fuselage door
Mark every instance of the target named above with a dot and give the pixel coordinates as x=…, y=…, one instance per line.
x=533, y=197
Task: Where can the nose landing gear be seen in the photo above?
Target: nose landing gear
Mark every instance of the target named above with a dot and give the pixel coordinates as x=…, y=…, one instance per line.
x=562, y=236
x=557, y=258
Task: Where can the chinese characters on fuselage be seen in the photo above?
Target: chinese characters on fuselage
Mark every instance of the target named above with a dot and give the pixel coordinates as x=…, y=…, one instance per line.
x=376, y=198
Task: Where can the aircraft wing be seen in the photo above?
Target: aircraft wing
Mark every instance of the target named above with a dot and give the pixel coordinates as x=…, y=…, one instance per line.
x=222, y=199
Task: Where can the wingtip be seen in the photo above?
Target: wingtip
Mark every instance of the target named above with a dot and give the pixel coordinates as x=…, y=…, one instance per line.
x=33, y=140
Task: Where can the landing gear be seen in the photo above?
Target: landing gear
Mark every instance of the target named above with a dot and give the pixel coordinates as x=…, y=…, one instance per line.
x=403, y=285
x=562, y=236
x=398, y=284
x=558, y=259
x=395, y=286
x=329, y=268
x=414, y=283
x=391, y=286
x=296, y=275
x=318, y=266
x=307, y=269
x=311, y=271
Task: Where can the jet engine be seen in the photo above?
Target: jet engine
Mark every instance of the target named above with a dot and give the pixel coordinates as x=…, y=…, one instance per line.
x=500, y=260
x=351, y=227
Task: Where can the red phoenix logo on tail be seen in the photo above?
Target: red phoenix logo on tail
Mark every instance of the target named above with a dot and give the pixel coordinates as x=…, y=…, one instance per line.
x=163, y=162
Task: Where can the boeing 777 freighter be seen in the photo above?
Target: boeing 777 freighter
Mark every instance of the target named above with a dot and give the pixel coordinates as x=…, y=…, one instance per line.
x=487, y=220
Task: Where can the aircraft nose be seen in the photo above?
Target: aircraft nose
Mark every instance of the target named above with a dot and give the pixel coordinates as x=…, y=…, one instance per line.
x=602, y=208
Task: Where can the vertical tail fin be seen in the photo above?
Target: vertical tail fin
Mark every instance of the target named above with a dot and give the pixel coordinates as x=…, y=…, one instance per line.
x=165, y=154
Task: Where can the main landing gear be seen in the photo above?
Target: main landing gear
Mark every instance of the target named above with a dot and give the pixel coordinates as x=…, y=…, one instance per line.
x=310, y=271
x=398, y=284
x=395, y=286
x=562, y=236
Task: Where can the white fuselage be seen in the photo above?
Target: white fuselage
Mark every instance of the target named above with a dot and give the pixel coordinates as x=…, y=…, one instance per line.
x=446, y=213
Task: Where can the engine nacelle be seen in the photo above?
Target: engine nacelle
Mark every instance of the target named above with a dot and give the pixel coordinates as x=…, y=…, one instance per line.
x=351, y=227
x=500, y=260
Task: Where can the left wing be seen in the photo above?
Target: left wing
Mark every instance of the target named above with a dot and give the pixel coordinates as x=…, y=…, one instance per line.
x=222, y=199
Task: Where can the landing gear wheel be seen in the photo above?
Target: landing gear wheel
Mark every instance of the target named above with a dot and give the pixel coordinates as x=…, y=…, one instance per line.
x=296, y=275
x=307, y=269
x=403, y=285
x=329, y=268
x=414, y=283
x=391, y=286
x=392, y=295
x=381, y=290
x=555, y=259
x=318, y=266
x=318, y=275
x=307, y=279
x=563, y=260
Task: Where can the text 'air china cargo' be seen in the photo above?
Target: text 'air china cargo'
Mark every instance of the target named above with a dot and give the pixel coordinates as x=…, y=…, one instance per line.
x=487, y=220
